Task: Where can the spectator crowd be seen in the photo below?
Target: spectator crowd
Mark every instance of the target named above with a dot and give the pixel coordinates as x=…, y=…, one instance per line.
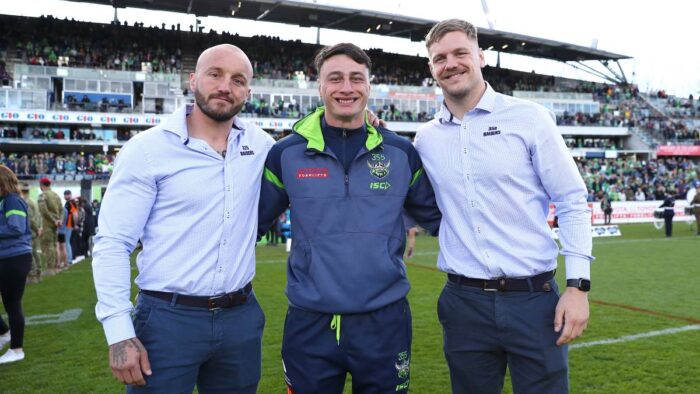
x=629, y=179
x=33, y=165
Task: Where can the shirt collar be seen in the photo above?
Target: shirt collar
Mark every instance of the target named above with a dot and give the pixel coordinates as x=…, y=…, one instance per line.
x=486, y=104
x=177, y=123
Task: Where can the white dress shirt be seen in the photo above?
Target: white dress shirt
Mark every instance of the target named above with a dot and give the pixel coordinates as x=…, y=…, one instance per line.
x=494, y=174
x=194, y=211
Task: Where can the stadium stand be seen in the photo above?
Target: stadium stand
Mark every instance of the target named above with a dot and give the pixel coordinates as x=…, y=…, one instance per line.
x=74, y=93
x=65, y=167
x=622, y=178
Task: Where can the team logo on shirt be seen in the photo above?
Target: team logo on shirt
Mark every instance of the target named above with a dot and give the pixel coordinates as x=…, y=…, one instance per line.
x=246, y=151
x=378, y=167
x=493, y=130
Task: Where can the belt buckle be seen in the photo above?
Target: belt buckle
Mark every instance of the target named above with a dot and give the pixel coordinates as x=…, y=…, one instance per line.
x=499, y=282
x=486, y=285
x=211, y=303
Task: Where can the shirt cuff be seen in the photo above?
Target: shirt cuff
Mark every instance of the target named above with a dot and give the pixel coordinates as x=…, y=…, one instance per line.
x=577, y=268
x=118, y=328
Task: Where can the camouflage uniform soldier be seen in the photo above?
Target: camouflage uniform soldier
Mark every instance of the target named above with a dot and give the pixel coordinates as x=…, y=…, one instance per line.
x=52, y=214
x=35, y=222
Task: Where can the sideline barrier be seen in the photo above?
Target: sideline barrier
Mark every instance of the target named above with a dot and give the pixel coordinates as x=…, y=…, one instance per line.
x=596, y=231
x=633, y=212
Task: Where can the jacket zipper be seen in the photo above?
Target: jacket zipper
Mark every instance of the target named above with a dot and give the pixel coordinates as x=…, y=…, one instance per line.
x=346, y=170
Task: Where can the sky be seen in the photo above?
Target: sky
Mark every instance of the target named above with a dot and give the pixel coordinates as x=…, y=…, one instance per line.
x=661, y=37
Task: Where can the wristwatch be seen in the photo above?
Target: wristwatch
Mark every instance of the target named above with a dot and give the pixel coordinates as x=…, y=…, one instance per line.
x=581, y=284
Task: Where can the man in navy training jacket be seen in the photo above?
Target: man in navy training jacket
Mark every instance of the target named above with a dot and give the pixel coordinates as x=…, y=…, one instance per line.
x=347, y=183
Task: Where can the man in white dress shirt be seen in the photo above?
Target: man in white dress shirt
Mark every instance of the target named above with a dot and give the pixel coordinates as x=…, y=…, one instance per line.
x=496, y=163
x=188, y=189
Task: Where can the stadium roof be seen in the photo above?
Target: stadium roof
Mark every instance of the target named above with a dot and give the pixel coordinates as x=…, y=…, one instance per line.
x=367, y=21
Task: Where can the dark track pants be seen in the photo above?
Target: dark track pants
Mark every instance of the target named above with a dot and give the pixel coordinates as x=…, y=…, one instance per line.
x=486, y=331
x=374, y=347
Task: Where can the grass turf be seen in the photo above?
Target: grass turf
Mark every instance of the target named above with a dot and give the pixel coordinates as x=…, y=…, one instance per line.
x=642, y=282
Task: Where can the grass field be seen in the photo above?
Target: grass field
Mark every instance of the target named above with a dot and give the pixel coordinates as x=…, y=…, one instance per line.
x=642, y=283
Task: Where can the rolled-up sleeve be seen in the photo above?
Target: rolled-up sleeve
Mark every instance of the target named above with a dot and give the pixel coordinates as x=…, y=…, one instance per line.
x=125, y=210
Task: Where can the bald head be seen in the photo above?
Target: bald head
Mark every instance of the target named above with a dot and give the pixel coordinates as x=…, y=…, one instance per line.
x=221, y=81
x=221, y=52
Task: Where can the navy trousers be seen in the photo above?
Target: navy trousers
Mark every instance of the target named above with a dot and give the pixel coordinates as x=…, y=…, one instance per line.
x=486, y=331
x=219, y=351
x=374, y=347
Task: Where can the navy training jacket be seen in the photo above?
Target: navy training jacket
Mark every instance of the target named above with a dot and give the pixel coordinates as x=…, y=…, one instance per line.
x=349, y=237
x=15, y=230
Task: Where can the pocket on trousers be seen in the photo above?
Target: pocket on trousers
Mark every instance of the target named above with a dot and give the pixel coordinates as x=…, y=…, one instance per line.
x=254, y=299
x=141, y=317
x=440, y=307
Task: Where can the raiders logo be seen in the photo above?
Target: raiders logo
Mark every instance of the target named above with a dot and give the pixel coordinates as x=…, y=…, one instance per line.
x=379, y=169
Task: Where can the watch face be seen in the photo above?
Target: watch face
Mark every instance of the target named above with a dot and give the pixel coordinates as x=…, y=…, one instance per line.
x=584, y=285
x=581, y=284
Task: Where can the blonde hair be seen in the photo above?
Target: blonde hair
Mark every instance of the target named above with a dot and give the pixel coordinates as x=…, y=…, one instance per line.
x=448, y=26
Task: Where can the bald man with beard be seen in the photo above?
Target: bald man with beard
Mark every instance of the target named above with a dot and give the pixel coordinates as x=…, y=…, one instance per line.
x=188, y=189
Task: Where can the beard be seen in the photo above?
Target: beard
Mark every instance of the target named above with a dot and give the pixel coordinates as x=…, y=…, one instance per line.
x=456, y=92
x=219, y=115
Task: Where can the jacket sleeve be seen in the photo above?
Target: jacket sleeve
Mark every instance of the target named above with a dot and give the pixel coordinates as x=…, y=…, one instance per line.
x=421, y=203
x=53, y=209
x=34, y=218
x=273, y=195
x=43, y=206
x=15, y=221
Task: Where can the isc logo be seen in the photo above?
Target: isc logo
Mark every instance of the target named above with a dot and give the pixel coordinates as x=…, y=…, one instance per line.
x=379, y=185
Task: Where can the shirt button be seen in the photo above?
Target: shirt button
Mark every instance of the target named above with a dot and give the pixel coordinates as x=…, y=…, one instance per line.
x=478, y=229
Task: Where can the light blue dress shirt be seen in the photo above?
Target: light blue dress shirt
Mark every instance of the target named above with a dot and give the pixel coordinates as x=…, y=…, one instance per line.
x=494, y=174
x=194, y=211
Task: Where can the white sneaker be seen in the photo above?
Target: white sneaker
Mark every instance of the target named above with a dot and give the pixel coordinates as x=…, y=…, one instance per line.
x=4, y=339
x=11, y=356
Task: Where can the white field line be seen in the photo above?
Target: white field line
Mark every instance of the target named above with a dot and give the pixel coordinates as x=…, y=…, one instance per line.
x=628, y=338
x=630, y=241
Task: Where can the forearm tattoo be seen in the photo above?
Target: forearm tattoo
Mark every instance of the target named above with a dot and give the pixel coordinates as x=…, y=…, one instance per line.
x=119, y=351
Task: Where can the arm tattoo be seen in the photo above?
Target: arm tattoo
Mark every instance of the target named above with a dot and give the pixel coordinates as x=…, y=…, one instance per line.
x=119, y=351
